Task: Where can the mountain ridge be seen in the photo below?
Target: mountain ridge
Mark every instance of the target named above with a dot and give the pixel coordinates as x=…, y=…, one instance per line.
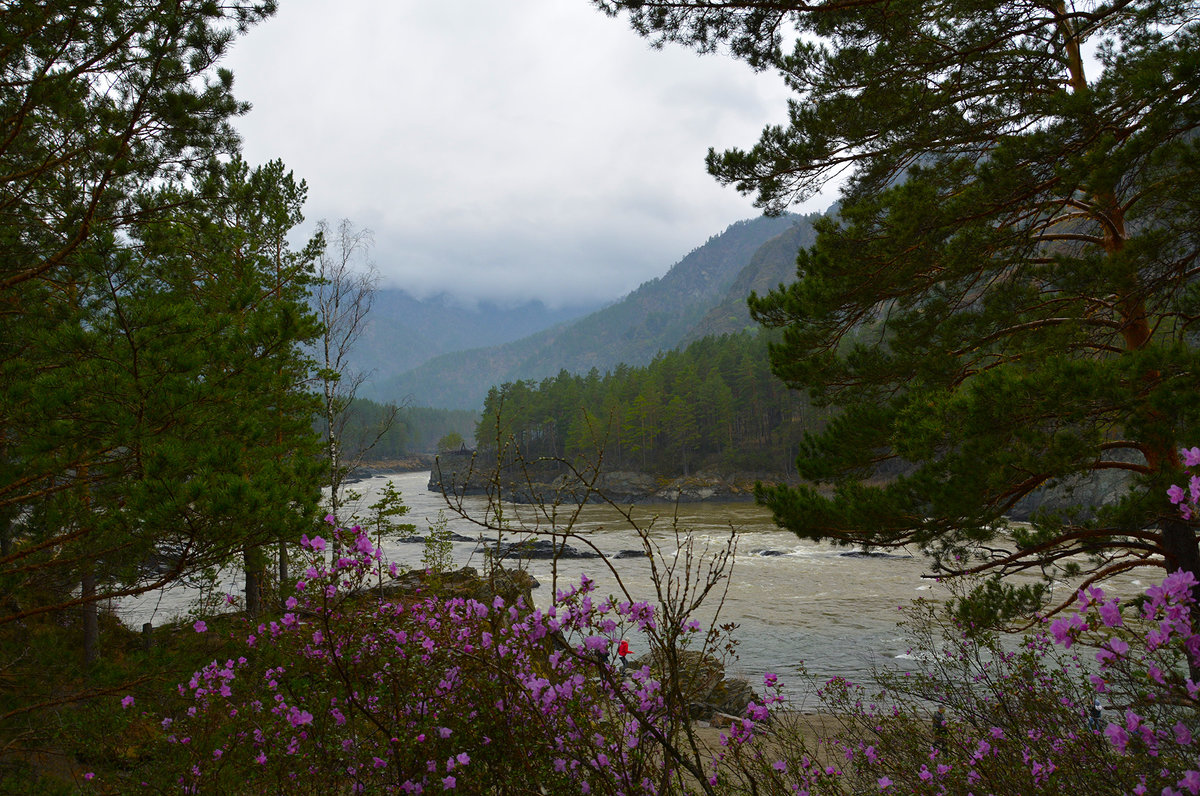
x=704, y=293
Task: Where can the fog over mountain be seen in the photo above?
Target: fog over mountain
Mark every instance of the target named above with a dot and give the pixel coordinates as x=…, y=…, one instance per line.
x=404, y=332
x=437, y=353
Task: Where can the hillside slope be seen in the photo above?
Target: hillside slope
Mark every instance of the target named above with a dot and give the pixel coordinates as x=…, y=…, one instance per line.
x=657, y=316
x=404, y=332
x=774, y=263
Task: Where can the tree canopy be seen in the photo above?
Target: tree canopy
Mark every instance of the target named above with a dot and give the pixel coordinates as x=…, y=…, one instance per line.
x=713, y=404
x=153, y=418
x=1008, y=299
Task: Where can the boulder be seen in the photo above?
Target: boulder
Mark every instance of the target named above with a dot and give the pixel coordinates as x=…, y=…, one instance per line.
x=704, y=684
x=467, y=583
x=535, y=549
x=419, y=539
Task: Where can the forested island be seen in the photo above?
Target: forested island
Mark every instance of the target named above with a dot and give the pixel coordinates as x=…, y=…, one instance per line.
x=714, y=405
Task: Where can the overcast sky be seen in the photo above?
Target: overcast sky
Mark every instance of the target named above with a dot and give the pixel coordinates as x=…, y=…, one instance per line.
x=517, y=149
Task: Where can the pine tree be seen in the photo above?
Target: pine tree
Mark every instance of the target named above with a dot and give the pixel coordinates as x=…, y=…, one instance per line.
x=1008, y=298
x=150, y=313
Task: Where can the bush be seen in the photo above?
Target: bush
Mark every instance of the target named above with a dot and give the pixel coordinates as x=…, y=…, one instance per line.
x=414, y=695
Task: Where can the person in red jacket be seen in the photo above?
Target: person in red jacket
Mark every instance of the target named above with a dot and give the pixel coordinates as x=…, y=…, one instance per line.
x=622, y=651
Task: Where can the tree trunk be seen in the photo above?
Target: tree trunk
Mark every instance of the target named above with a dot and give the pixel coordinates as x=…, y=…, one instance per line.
x=255, y=570
x=1180, y=548
x=1181, y=552
x=91, y=617
x=283, y=563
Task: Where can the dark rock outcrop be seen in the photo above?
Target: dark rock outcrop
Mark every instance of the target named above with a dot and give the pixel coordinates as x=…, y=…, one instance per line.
x=466, y=583
x=459, y=474
x=1079, y=496
x=704, y=684
x=418, y=539
x=535, y=549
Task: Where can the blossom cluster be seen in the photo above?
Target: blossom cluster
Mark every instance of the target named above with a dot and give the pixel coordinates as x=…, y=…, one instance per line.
x=1188, y=500
x=421, y=694
x=1105, y=699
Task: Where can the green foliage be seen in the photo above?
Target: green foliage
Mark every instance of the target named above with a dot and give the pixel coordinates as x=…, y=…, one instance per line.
x=384, y=514
x=451, y=442
x=1007, y=300
x=415, y=429
x=153, y=415
x=677, y=414
x=438, y=548
x=992, y=602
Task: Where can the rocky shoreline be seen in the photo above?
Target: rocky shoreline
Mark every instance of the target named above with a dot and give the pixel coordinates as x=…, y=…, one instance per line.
x=415, y=463
x=455, y=473
x=458, y=474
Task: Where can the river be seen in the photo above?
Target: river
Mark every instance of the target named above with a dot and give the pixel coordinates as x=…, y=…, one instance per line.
x=793, y=601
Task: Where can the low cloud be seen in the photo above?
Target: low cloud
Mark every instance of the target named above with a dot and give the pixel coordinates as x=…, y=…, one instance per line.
x=533, y=148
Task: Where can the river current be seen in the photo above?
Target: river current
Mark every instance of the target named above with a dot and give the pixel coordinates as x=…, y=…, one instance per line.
x=836, y=610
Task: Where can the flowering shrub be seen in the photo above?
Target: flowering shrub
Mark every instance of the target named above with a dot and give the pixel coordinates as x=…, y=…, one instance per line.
x=1188, y=500
x=1019, y=719
x=1103, y=700
x=424, y=694
x=1016, y=723
x=428, y=694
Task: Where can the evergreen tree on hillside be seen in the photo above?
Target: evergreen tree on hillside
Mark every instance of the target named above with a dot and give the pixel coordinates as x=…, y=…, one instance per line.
x=1009, y=299
x=676, y=415
x=151, y=314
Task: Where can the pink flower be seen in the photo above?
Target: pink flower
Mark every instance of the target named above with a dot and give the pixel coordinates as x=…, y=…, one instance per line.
x=1191, y=456
x=298, y=717
x=127, y=702
x=884, y=783
x=449, y=783
x=1117, y=736
x=1116, y=647
x=1063, y=627
x=200, y=626
x=595, y=643
x=1183, y=736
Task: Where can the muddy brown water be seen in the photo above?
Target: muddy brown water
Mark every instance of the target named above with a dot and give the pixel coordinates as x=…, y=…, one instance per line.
x=835, y=610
